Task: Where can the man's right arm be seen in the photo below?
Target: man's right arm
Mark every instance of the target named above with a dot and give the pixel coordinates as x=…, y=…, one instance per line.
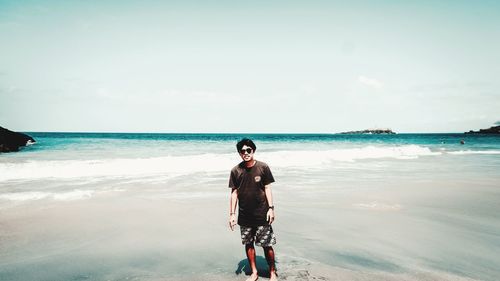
x=232, y=207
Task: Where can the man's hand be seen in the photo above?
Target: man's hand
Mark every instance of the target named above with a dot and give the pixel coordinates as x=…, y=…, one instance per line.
x=232, y=221
x=270, y=216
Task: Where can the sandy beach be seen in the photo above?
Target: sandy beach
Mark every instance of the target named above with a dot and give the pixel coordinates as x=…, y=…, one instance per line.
x=134, y=238
x=138, y=233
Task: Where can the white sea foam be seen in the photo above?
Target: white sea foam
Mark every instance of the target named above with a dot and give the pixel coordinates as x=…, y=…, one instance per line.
x=73, y=195
x=466, y=152
x=61, y=196
x=181, y=165
x=321, y=157
x=378, y=206
x=169, y=165
x=191, y=195
x=24, y=196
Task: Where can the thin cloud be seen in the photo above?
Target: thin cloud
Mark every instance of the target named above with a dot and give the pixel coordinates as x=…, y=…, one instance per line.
x=370, y=82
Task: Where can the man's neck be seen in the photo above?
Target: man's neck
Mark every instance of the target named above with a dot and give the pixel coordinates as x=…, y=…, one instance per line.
x=251, y=163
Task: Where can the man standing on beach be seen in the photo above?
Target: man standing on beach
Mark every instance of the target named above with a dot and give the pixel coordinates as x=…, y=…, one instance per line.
x=250, y=183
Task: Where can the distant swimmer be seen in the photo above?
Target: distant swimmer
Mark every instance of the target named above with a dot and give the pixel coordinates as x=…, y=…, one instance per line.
x=462, y=142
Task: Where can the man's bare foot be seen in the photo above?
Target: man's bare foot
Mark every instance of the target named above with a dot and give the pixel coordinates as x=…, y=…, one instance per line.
x=273, y=277
x=253, y=277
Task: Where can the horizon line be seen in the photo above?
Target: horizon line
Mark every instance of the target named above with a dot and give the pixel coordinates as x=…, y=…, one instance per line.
x=230, y=133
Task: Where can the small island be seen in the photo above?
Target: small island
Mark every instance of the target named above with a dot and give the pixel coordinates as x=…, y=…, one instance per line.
x=370, y=132
x=12, y=141
x=492, y=130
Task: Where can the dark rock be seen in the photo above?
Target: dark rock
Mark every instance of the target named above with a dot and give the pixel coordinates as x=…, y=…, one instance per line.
x=492, y=130
x=12, y=141
x=371, y=131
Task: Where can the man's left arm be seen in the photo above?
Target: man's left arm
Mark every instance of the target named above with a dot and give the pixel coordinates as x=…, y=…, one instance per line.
x=269, y=196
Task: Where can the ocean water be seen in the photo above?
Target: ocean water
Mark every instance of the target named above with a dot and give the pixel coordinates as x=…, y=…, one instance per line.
x=94, y=206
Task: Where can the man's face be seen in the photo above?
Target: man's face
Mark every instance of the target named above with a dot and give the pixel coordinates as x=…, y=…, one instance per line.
x=246, y=153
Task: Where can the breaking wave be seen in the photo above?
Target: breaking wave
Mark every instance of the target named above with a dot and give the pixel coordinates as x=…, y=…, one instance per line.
x=187, y=164
x=60, y=196
x=466, y=152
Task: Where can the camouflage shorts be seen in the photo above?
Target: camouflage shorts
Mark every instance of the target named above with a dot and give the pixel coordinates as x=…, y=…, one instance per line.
x=262, y=235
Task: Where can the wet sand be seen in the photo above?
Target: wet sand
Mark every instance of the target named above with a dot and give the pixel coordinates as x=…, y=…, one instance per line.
x=137, y=234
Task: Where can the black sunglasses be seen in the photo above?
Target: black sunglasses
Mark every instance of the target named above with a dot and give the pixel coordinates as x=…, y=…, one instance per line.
x=248, y=150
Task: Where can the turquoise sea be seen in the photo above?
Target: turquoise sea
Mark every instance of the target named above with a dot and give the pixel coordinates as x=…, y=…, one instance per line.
x=130, y=206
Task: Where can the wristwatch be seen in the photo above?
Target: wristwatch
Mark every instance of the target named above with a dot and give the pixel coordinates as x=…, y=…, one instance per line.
x=271, y=207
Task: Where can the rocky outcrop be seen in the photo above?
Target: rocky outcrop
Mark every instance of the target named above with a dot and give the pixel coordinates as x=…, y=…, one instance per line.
x=12, y=141
x=371, y=131
x=493, y=130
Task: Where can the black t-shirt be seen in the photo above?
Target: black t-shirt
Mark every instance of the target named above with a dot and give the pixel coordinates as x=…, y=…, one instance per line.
x=251, y=183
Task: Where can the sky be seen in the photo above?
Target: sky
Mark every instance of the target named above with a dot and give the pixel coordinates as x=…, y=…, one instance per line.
x=249, y=66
